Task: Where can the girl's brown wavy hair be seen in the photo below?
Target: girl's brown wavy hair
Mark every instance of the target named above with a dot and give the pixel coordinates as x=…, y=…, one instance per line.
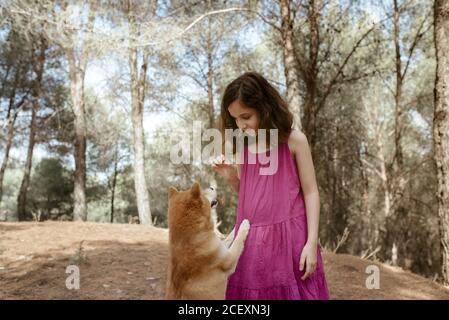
x=254, y=91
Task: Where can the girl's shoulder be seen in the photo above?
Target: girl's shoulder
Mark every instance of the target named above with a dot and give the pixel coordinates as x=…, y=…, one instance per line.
x=295, y=140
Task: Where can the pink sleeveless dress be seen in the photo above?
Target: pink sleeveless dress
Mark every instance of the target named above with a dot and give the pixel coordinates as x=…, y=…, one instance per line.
x=268, y=268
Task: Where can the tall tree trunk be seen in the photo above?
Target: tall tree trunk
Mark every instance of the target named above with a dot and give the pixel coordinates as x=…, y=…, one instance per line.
x=339, y=217
x=13, y=110
x=114, y=182
x=384, y=176
x=21, y=199
x=77, y=72
x=310, y=113
x=210, y=71
x=11, y=121
x=209, y=175
x=138, y=81
x=39, y=71
x=77, y=93
x=395, y=180
x=367, y=223
x=398, y=91
x=311, y=75
x=140, y=185
x=441, y=128
x=291, y=67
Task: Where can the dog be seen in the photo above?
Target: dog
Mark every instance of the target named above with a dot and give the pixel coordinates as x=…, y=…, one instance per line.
x=200, y=262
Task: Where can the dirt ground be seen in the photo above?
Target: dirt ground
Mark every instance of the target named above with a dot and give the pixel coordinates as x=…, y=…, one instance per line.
x=125, y=261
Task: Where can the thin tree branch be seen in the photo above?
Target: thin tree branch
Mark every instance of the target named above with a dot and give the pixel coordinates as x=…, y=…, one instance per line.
x=418, y=36
x=342, y=66
x=197, y=20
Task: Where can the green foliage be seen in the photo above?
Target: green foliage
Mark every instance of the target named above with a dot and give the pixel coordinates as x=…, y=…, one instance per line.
x=51, y=189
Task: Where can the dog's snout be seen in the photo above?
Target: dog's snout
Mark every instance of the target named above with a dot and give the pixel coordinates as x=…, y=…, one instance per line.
x=211, y=194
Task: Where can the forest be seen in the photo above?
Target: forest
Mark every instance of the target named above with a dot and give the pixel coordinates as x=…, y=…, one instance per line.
x=95, y=93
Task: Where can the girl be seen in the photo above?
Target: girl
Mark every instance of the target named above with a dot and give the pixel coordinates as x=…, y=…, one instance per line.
x=281, y=259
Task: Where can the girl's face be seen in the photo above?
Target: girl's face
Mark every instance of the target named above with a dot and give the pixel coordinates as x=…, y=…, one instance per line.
x=246, y=118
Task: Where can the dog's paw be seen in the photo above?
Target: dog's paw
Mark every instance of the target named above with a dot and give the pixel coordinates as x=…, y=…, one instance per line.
x=245, y=225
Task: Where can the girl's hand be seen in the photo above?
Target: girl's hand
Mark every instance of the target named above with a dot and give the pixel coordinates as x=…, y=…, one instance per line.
x=308, y=257
x=224, y=168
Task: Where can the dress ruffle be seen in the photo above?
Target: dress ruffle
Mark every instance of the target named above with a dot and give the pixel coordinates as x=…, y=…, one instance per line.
x=313, y=288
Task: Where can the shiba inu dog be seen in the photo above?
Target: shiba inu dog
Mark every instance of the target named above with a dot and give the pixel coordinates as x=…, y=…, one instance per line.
x=200, y=262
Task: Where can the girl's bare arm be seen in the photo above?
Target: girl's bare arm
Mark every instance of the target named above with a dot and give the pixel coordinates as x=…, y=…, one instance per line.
x=300, y=147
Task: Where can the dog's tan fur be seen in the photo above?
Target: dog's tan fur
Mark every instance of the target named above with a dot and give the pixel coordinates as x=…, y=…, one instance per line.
x=200, y=262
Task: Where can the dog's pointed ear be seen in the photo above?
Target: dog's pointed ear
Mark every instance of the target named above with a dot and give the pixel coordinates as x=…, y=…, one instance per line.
x=171, y=191
x=196, y=190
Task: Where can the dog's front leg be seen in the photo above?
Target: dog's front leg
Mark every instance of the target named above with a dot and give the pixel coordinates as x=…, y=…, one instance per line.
x=228, y=240
x=236, y=249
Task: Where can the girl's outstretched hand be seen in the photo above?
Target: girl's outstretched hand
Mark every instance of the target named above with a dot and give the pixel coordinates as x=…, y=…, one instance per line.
x=224, y=168
x=308, y=259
